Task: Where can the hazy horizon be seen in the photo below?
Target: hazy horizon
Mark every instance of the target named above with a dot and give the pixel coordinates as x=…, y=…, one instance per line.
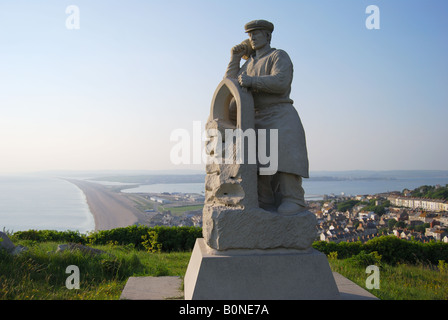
x=107, y=95
x=316, y=173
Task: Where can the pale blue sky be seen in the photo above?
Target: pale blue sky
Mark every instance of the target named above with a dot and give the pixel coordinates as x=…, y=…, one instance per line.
x=107, y=96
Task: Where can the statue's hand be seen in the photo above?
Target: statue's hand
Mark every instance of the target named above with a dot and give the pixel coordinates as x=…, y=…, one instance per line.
x=238, y=51
x=245, y=80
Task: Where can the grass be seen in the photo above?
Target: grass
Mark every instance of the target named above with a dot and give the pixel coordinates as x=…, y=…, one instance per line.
x=399, y=282
x=182, y=209
x=40, y=273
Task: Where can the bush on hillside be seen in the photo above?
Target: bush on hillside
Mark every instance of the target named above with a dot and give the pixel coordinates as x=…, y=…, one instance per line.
x=170, y=238
x=364, y=259
x=119, y=236
x=49, y=236
x=391, y=249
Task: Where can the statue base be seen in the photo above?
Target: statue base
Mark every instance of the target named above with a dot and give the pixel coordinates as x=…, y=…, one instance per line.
x=273, y=274
x=227, y=228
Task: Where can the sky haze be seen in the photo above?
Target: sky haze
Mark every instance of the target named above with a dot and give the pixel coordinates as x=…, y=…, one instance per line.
x=108, y=95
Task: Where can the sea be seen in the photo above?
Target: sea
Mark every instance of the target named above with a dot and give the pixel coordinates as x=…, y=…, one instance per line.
x=52, y=203
x=316, y=188
x=42, y=203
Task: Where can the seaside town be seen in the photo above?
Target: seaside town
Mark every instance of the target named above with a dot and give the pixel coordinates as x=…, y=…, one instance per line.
x=341, y=218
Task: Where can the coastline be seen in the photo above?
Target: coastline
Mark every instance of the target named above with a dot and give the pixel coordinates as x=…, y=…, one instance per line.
x=109, y=209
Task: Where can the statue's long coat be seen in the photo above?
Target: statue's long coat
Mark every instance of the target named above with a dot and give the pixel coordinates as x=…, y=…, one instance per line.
x=271, y=86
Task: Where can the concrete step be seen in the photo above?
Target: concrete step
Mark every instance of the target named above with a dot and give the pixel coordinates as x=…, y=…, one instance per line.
x=153, y=288
x=170, y=288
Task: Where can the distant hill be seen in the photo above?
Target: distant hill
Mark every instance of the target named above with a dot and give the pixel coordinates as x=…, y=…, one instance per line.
x=182, y=176
x=154, y=178
x=377, y=175
x=431, y=192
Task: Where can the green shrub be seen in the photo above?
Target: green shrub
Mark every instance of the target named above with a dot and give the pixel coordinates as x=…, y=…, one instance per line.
x=392, y=250
x=333, y=255
x=120, y=236
x=343, y=249
x=177, y=238
x=49, y=236
x=434, y=251
x=170, y=238
x=443, y=266
x=364, y=259
x=151, y=242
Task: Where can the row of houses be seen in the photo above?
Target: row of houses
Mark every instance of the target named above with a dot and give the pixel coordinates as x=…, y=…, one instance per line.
x=361, y=226
x=365, y=234
x=194, y=218
x=342, y=229
x=419, y=203
x=347, y=237
x=347, y=234
x=431, y=234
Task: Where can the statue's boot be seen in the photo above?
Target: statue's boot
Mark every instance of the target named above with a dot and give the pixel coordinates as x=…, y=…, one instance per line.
x=289, y=208
x=292, y=194
x=285, y=187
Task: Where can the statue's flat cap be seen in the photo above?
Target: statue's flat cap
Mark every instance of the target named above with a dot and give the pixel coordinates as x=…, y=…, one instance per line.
x=259, y=25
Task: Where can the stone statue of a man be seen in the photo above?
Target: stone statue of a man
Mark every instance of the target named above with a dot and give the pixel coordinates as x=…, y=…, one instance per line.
x=268, y=74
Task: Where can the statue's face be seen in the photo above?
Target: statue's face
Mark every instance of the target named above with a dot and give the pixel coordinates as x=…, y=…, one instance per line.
x=258, y=39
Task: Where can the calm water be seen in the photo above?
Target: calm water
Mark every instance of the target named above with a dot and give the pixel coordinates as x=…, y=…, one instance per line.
x=313, y=189
x=359, y=187
x=29, y=202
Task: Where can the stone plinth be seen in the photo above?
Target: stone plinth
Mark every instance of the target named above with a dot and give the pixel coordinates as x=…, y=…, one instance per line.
x=254, y=228
x=276, y=274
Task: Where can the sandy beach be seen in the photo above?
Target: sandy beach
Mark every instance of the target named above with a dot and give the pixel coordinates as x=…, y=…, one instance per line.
x=110, y=209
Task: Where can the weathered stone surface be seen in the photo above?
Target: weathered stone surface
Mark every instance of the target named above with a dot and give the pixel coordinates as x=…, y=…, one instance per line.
x=254, y=228
x=19, y=249
x=6, y=243
x=232, y=218
x=228, y=181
